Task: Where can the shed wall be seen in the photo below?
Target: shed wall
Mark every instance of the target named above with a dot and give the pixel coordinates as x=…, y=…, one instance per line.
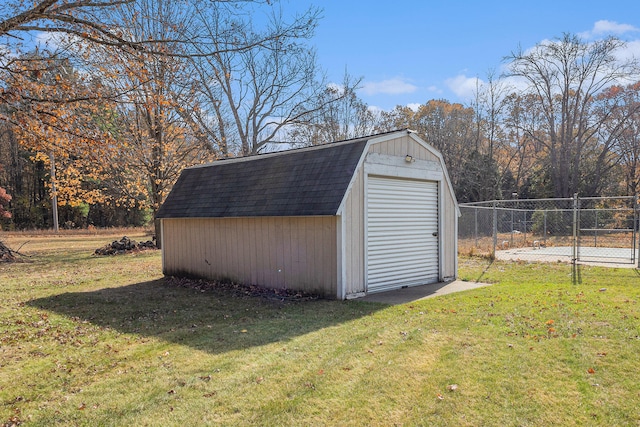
x=354, y=213
x=278, y=252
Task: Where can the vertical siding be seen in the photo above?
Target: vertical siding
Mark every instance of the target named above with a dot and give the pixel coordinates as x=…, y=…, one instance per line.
x=449, y=236
x=353, y=233
x=279, y=252
x=401, y=147
x=391, y=147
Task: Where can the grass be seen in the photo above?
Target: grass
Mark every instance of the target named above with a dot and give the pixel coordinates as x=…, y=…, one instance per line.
x=90, y=341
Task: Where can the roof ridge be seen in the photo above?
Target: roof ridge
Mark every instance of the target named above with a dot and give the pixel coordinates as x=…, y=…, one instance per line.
x=296, y=150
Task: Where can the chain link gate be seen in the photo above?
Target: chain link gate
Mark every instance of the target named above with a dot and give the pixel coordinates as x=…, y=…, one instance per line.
x=607, y=229
x=589, y=229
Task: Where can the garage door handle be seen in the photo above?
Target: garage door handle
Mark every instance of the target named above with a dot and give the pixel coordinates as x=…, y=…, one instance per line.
x=434, y=234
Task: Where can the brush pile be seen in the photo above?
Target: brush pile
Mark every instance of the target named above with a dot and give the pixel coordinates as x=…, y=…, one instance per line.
x=7, y=254
x=123, y=246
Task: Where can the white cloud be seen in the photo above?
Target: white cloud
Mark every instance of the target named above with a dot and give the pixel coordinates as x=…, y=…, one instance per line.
x=463, y=86
x=393, y=86
x=604, y=27
x=414, y=106
x=46, y=40
x=612, y=27
x=374, y=109
x=337, y=87
x=631, y=50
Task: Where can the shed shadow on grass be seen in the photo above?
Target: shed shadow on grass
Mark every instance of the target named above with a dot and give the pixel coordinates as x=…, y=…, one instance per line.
x=215, y=321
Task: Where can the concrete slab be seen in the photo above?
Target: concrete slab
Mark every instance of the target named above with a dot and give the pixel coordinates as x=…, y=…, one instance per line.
x=601, y=257
x=416, y=293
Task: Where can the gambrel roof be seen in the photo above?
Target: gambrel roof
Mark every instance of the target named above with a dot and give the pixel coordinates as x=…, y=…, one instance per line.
x=301, y=182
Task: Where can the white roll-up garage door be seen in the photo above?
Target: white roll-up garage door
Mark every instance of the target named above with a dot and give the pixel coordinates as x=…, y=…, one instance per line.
x=402, y=233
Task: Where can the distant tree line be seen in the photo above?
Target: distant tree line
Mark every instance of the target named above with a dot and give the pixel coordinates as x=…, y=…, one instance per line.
x=128, y=93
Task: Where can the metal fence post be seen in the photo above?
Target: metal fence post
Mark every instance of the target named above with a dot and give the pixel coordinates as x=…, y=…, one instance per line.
x=524, y=230
x=544, y=237
x=495, y=229
x=475, y=211
x=511, y=243
x=574, y=253
x=636, y=226
x=595, y=232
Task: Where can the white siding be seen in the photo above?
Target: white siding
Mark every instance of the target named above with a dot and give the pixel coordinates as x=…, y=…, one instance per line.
x=353, y=233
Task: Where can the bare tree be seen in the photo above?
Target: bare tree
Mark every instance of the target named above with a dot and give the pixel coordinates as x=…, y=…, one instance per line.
x=622, y=131
x=490, y=139
x=340, y=115
x=566, y=75
x=81, y=18
x=250, y=100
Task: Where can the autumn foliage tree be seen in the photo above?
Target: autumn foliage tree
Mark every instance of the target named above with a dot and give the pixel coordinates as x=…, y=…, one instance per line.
x=451, y=129
x=4, y=202
x=49, y=105
x=50, y=127
x=112, y=103
x=152, y=141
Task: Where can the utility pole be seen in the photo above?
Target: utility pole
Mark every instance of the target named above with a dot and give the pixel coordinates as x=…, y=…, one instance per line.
x=54, y=196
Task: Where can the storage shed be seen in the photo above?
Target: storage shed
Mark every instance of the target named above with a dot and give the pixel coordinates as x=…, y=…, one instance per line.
x=340, y=220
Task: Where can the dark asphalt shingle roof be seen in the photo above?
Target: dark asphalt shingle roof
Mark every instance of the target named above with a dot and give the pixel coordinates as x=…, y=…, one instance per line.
x=301, y=182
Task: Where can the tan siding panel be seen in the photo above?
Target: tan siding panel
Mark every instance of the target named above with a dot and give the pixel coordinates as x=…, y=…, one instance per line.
x=290, y=254
x=305, y=257
x=251, y=227
x=285, y=241
x=260, y=253
x=252, y=250
x=273, y=265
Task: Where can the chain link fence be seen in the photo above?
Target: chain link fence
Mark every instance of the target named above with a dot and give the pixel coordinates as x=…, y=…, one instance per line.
x=578, y=229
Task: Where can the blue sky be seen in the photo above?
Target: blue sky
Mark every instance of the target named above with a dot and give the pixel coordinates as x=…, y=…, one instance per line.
x=411, y=51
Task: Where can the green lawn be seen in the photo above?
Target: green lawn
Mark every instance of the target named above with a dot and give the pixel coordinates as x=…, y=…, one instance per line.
x=92, y=341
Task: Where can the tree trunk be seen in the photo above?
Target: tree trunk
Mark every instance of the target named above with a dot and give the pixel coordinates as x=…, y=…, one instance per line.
x=158, y=232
